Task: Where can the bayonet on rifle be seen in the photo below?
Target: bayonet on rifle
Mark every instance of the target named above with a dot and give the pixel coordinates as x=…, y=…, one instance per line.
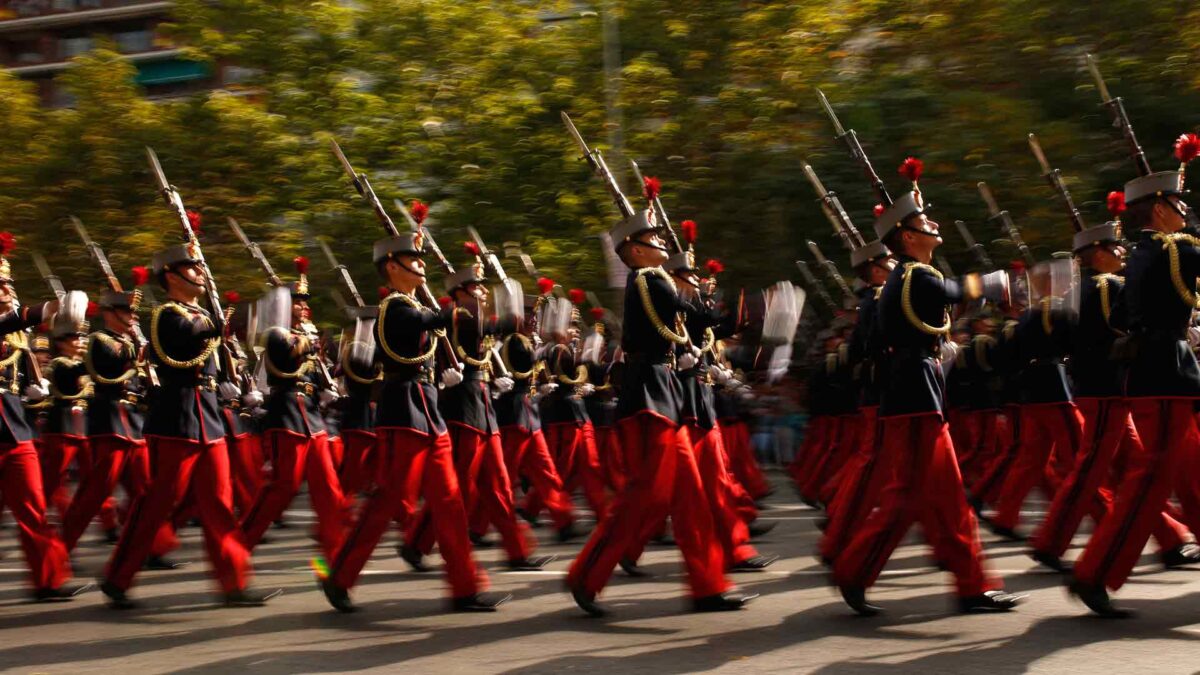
x=596, y=161
x=1054, y=177
x=256, y=253
x=1006, y=222
x=489, y=258
x=52, y=280
x=850, y=140
x=1116, y=107
x=976, y=248
x=97, y=254
x=831, y=206
x=343, y=273
x=659, y=212
x=830, y=269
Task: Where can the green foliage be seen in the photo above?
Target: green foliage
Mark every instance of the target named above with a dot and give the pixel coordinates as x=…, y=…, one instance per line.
x=457, y=103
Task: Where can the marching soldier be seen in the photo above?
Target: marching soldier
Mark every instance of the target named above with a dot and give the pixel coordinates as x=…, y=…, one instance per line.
x=186, y=439
x=602, y=403
x=360, y=380
x=414, y=446
x=64, y=438
x=925, y=484
x=241, y=417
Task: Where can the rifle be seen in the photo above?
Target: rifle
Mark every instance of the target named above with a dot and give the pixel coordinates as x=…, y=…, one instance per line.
x=1054, y=177
x=256, y=253
x=363, y=186
x=816, y=286
x=976, y=247
x=944, y=265
x=512, y=249
x=596, y=161
x=489, y=258
x=114, y=284
x=1116, y=107
x=226, y=366
x=659, y=211
x=850, y=140
x=343, y=273
x=1006, y=222
x=832, y=207
x=830, y=269
x=52, y=280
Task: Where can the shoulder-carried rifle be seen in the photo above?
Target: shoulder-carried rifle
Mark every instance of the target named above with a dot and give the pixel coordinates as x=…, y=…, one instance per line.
x=343, y=274
x=816, y=286
x=832, y=207
x=256, y=253
x=831, y=270
x=850, y=140
x=48, y=275
x=596, y=161
x=1054, y=177
x=976, y=248
x=1116, y=107
x=1006, y=222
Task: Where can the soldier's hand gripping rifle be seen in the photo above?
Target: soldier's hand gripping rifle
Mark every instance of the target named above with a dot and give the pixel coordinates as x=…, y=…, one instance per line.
x=850, y=140
x=1054, y=177
x=816, y=286
x=832, y=207
x=114, y=284
x=1006, y=223
x=343, y=274
x=831, y=270
x=660, y=213
x=363, y=186
x=1116, y=107
x=977, y=248
x=226, y=367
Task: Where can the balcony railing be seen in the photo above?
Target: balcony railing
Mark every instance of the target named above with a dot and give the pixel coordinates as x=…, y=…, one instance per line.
x=23, y=15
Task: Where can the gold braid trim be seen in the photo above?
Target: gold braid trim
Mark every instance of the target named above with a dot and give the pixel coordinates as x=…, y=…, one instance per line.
x=210, y=345
x=1102, y=281
x=643, y=286
x=906, y=301
x=348, y=371
x=88, y=363
x=516, y=374
x=85, y=388
x=1171, y=246
x=981, y=354
x=482, y=364
x=272, y=369
x=19, y=343
x=404, y=360
x=1047, y=326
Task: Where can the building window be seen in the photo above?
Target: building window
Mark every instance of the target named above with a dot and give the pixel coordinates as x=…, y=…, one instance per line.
x=134, y=41
x=72, y=47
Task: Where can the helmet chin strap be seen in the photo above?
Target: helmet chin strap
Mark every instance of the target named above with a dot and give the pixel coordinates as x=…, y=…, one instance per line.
x=664, y=249
x=185, y=279
x=919, y=231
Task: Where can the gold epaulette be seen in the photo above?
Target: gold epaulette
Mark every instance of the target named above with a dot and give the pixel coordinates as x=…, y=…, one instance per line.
x=382, y=333
x=210, y=345
x=906, y=301
x=1170, y=243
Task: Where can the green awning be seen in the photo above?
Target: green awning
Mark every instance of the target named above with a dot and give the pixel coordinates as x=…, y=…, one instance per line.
x=170, y=71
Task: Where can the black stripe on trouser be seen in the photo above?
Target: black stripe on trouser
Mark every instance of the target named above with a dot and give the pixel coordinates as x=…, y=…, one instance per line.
x=858, y=497
x=872, y=558
x=1114, y=545
x=1101, y=424
x=262, y=497
x=1005, y=462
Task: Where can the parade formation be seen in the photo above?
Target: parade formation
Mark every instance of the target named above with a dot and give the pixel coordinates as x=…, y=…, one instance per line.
x=935, y=399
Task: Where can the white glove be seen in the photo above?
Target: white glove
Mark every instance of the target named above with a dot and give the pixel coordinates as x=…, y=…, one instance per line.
x=327, y=396
x=451, y=377
x=228, y=391
x=37, y=392
x=587, y=389
x=503, y=384
x=720, y=374
x=686, y=362
x=252, y=399
x=949, y=353
x=548, y=388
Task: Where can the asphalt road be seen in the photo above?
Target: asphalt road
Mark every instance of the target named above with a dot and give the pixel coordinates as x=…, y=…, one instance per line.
x=798, y=625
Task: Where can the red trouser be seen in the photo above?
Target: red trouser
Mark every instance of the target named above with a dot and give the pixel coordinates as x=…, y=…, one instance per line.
x=735, y=433
x=358, y=461
x=1108, y=435
x=1008, y=442
x=294, y=459
x=1050, y=436
x=115, y=459
x=821, y=483
x=923, y=486
x=484, y=484
x=21, y=485
x=817, y=438
x=730, y=529
x=416, y=465
x=663, y=480
x=526, y=454
x=982, y=438
x=863, y=480
x=1167, y=460
x=245, y=468
x=612, y=464
x=175, y=463
x=57, y=453
x=573, y=447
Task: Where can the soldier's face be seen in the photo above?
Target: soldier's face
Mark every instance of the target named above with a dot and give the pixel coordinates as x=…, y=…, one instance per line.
x=187, y=280
x=478, y=291
x=301, y=312
x=405, y=272
x=648, y=250
x=69, y=346
x=7, y=294
x=120, y=320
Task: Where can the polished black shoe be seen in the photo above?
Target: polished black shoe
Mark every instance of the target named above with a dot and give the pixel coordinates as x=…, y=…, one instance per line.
x=632, y=569
x=757, y=563
x=1006, y=533
x=1052, y=561
x=111, y=536
x=339, y=598
x=723, y=602
x=412, y=556
x=758, y=529
x=481, y=602
x=479, y=541
x=64, y=593
x=823, y=523
x=159, y=563
x=856, y=599
x=587, y=602
x=976, y=504
x=991, y=601
x=1096, y=598
x=527, y=517
x=250, y=598
x=533, y=564
x=117, y=599
x=566, y=533
x=1184, y=554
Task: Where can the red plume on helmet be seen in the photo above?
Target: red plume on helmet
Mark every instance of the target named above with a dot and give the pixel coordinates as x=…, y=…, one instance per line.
x=545, y=285
x=419, y=210
x=911, y=169
x=195, y=220
x=1116, y=203
x=879, y=209
x=92, y=309
x=8, y=243
x=232, y=297
x=445, y=301
x=714, y=266
x=597, y=313
x=651, y=187
x=578, y=297
x=384, y=291
x=301, y=264
x=472, y=248
x=688, y=227
x=141, y=275
x=1187, y=148
x=1017, y=266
